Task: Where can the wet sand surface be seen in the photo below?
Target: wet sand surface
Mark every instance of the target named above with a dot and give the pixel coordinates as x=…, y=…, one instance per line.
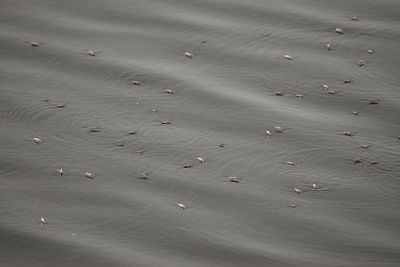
x=344, y=212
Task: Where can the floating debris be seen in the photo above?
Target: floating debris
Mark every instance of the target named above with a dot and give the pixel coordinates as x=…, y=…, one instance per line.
x=132, y=132
x=89, y=175
x=94, y=129
x=165, y=122
x=234, y=179
x=61, y=106
x=347, y=81
x=223, y=145
x=370, y=51
x=188, y=54
x=91, y=53
x=329, y=46
x=187, y=166
x=299, y=95
x=288, y=57
x=357, y=160
x=348, y=133
x=43, y=221
x=290, y=163
x=360, y=63
x=201, y=160
x=121, y=144
x=60, y=171
x=37, y=140
x=204, y=41
x=171, y=92
x=356, y=113
x=137, y=83
x=339, y=30
x=355, y=19
x=182, y=206
x=279, y=93
x=331, y=92
x=298, y=191
x=267, y=35
x=373, y=101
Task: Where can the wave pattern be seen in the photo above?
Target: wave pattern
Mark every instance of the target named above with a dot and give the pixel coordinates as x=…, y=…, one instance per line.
x=225, y=98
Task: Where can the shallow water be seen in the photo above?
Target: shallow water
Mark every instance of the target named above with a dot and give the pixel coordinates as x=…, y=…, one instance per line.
x=224, y=94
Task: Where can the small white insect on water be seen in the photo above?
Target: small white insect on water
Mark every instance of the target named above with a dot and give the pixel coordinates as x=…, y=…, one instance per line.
x=89, y=175
x=144, y=175
x=278, y=129
x=339, y=30
x=188, y=54
x=288, y=57
x=94, y=129
x=43, y=221
x=348, y=133
x=137, y=83
x=37, y=140
x=182, y=206
x=298, y=191
x=234, y=179
x=329, y=46
x=201, y=160
x=34, y=44
x=171, y=92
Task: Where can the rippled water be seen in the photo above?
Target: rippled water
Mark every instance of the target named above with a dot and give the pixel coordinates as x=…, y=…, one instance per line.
x=224, y=94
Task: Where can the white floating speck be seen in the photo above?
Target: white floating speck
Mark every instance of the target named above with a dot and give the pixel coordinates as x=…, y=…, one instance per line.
x=288, y=57
x=188, y=54
x=37, y=140
x=298, y=191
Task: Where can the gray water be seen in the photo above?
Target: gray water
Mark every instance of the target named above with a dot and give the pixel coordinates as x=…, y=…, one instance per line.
x=224, y=94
